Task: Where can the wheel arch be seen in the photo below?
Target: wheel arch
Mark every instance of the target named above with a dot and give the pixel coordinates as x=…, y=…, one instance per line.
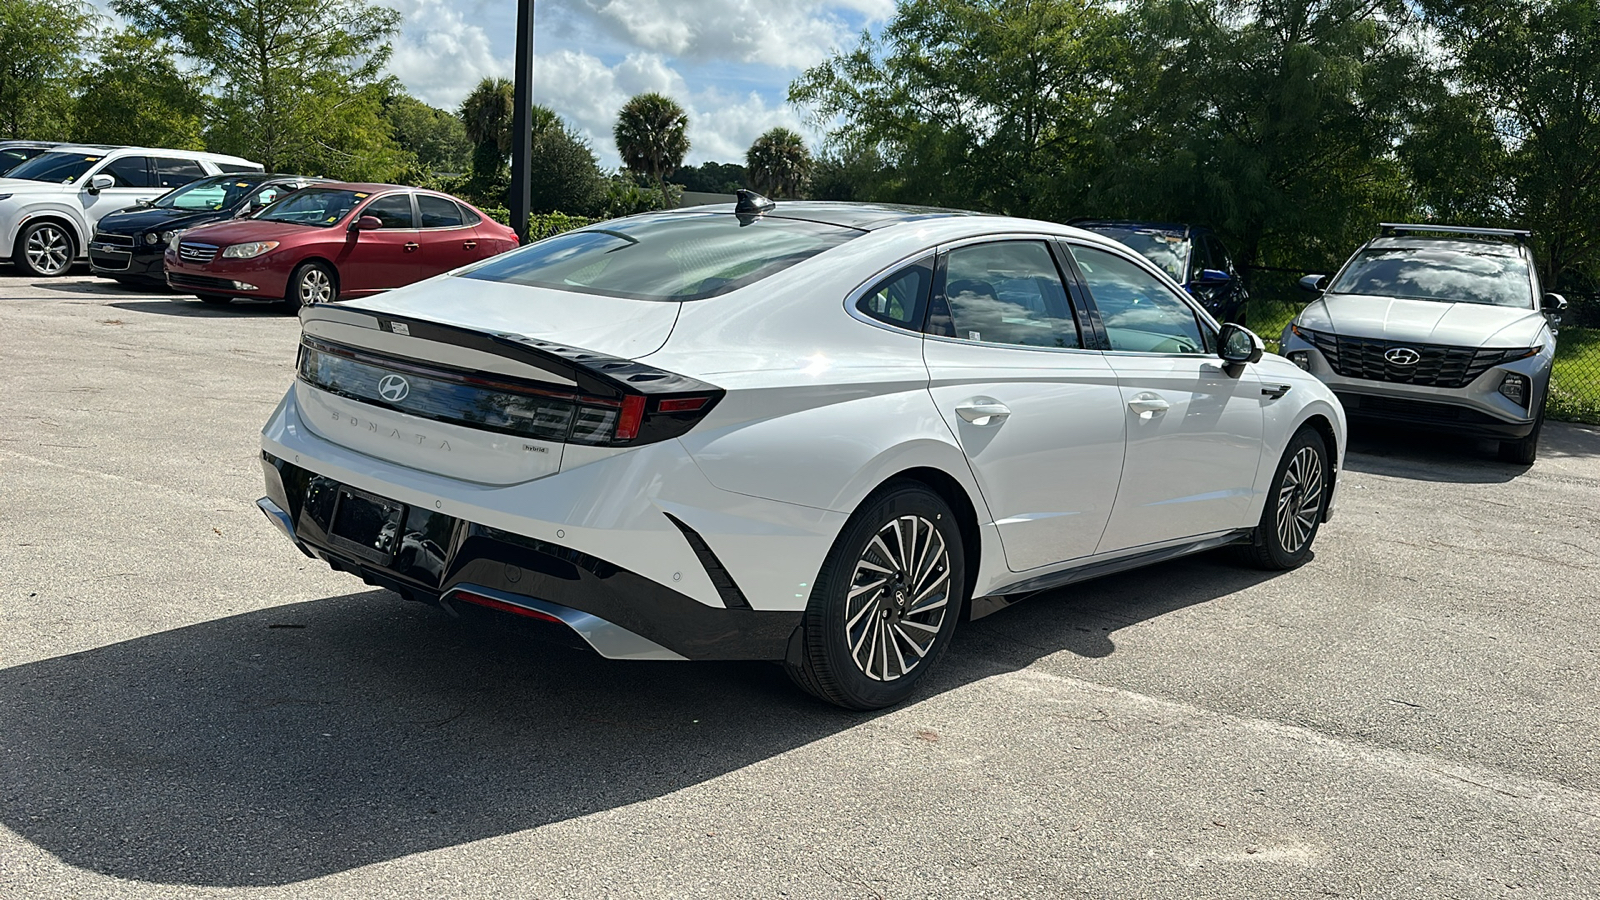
x=1320, y=423
x=333, y=267
x=61, y=217
x=956, y=497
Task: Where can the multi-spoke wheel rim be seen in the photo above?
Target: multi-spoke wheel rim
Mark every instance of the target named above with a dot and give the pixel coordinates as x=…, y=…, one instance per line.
x=1299, y=500
x=49, y=250
x=315, y=287
x=899, y=597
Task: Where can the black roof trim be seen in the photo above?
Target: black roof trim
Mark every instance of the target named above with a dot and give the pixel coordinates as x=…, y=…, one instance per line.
x=1394, y=229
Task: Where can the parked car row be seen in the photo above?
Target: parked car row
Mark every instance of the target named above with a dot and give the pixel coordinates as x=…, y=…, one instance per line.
x=221, y=228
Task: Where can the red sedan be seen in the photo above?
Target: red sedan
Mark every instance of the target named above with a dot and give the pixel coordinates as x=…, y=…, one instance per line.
x=333, y=241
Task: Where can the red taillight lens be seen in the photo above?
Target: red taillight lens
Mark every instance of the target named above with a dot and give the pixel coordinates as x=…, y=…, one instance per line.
x=502, y=606
x=632, y=415
x=682, y=404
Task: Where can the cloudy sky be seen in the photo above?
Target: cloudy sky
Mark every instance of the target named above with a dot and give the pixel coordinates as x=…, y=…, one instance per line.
x=729, y=62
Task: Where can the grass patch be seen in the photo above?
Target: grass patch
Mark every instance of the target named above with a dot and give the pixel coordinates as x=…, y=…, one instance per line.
x=1575, y=383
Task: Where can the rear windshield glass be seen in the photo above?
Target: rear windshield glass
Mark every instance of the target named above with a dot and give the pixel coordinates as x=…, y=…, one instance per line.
x=1438, y=274
x=671, y=257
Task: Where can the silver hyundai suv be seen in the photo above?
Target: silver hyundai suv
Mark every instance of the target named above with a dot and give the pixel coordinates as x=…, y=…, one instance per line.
x=1439, y=327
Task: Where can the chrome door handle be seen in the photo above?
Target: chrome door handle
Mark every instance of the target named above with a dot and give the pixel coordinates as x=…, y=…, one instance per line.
x=469, y=245
x=412, y=245
x=983, y=412
x=1148, y=405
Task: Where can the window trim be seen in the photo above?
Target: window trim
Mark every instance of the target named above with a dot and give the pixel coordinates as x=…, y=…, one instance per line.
x=855, y=296
x=1209, y=328
x=359, y=211
x=1048, y=240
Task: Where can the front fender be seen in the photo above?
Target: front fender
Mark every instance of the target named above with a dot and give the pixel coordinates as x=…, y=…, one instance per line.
x=54, y=210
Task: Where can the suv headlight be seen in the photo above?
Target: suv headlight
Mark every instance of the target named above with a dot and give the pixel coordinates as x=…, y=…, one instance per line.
x=1514, y=387
x=249, y=251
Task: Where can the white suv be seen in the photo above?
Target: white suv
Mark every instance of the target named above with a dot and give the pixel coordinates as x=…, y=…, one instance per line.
x=49, y=205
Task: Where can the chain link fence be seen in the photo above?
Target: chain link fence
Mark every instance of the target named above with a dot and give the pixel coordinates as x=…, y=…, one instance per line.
x=1275, y=298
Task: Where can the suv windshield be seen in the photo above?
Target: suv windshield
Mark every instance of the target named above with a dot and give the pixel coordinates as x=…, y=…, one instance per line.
x=321, y=207
x=1168, y=250
x=665, y=257
x=1439, y=274
x=56, y=168
x=209, y=194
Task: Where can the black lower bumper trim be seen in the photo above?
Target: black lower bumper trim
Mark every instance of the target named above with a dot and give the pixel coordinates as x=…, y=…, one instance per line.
x=1430, y=415
x=432, y=553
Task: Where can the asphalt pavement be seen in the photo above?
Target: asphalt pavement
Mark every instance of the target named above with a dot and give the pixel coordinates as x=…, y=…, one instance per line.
x=190, y=708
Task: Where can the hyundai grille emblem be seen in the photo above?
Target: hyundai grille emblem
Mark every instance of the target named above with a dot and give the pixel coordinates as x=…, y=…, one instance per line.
x=1403, y=356
x=393, y=388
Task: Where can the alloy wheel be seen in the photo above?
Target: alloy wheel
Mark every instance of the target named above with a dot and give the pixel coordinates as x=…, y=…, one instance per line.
x=899, y=596
x=49, y=250
x=1299, y=499
x=315, y=286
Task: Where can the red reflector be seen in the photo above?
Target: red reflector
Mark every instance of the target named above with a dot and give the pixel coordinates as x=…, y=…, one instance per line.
x=682, y=404
x=632, y=415
x=503, y=606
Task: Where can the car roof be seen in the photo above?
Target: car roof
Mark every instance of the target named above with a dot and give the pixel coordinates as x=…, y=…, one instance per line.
x=42, y=145
x=861, y=216
x=1480, y=246
x=110, y=148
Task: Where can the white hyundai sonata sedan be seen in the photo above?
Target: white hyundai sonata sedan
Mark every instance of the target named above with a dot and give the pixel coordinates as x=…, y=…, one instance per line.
x=817, y=433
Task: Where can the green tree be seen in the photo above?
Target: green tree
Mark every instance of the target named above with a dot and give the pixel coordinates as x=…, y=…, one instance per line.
x=1272, y=120
x=39, y=42
x=778, y=162
x=565, y=174
x=486, y=116
x=710, y=177
x=987, y=104
x=651, y=136
x=297, y=83
x=435, y=136
x=135, y=94
x=1523, y=119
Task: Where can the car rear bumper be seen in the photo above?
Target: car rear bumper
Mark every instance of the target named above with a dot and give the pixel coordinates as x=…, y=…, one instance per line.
x=632, y=551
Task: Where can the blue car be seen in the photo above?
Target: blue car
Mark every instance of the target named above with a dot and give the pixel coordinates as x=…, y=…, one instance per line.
x=1191, y=255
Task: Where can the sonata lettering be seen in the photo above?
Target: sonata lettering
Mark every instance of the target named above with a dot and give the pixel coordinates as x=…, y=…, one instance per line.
x=394, y=433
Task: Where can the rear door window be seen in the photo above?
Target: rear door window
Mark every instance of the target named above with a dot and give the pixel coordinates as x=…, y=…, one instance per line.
x=171, y=172
x=438, y=212
x=1008, y=292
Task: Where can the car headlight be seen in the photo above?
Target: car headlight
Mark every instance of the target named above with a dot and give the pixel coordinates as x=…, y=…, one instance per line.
x=1514, y=387
x=151, y=238
x=249, y=251
x=172, y=239
x=1301, y=358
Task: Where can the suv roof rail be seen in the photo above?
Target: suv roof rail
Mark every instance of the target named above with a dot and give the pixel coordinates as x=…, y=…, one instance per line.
x=1390, y=229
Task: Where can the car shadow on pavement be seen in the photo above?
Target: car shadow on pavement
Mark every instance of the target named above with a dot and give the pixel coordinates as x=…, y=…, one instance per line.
x=1427, y=455
x=309, y=739
x=191, y=307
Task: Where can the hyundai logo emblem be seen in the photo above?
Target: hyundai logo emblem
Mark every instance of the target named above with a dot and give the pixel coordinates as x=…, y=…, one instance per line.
x=1403, y=356
x=393, y=388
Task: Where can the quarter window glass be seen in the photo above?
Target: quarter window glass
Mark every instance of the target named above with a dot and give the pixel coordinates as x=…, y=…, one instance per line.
x=129, y=172
x=394, y=211
x=1007, y=293
x=175, y=172
x=901, y=298
x=437, y=212
x=1139, y=314
x=468, y=217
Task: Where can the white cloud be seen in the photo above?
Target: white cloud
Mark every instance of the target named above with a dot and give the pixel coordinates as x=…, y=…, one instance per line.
x=791, y=34
x=440, y=56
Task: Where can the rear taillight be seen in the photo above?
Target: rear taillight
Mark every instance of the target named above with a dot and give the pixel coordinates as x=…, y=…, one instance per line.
x=637, y=419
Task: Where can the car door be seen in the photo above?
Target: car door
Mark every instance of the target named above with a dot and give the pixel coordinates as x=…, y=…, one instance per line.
x=131, y=181
x=384, y=257
x=1194, y=428
x=1038, y=416
x=448, y=242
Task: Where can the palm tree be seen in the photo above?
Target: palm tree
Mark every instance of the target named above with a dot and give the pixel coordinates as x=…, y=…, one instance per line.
x=778, y=162
x=486, y=113
x=650, y=135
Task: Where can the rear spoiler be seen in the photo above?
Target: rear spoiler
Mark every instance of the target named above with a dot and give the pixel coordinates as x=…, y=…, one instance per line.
x=1393, y=229
x=594, y=373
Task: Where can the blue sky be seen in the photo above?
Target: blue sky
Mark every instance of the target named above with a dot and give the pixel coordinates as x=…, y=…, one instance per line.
x=729, y=62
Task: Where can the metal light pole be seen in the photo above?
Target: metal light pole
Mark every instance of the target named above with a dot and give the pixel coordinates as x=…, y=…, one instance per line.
x=521, y=132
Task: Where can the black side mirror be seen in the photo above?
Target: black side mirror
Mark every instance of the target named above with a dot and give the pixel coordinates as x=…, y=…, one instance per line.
x=1314, y=284
x=1552, y=303
x=1239, y=345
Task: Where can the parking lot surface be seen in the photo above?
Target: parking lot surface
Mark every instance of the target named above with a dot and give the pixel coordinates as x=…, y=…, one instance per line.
x=189, y=707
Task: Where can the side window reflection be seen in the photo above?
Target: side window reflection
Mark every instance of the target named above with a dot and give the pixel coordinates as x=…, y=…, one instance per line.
x=1005, y=293
x=900, y=298
x=1139, y=313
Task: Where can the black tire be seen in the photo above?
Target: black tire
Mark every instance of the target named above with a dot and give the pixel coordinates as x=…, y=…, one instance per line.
x=1300, y=493
x=215, y=299
x=304, y=287
x=1524, y=452
x=46, y=249
x=836, y=652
